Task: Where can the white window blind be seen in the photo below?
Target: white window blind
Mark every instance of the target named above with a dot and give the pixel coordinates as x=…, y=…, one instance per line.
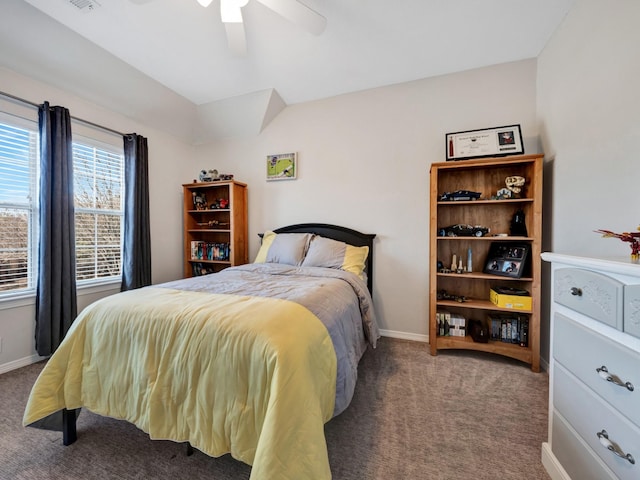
x=98, y=200
x=99, y=191
x=18, y=210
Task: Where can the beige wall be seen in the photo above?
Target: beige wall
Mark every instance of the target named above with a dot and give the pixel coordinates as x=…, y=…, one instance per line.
x=588, y=108
x=364, y=163
x=364, y=159
x=166, y=171
x=588, y=111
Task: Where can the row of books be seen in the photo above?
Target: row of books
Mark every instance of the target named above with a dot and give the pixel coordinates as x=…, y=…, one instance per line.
x=504, y=327
x=209, y=250
x=509, y=328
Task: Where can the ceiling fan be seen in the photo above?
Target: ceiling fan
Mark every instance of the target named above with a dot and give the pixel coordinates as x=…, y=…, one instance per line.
x=231, y=16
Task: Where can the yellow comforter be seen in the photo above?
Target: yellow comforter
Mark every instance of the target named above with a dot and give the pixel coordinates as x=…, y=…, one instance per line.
x=252, y=376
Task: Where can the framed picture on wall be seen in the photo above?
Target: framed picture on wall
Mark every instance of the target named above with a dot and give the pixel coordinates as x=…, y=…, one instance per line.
x=282, y=166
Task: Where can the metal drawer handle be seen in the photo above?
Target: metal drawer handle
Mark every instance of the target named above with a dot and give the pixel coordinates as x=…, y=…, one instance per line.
x=603, y=436
x=576, y=292
x=604, y=374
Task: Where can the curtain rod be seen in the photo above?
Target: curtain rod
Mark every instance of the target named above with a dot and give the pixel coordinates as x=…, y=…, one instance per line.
x=86, y=122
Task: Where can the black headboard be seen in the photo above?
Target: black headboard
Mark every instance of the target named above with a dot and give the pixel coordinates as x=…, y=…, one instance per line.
x=342, y=234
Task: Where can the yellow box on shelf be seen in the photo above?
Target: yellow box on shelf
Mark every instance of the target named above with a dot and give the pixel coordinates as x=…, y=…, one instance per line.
x=514, y=301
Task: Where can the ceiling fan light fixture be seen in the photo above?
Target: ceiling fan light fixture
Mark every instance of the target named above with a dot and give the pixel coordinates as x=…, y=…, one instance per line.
x=230, y=10
x=205, y=3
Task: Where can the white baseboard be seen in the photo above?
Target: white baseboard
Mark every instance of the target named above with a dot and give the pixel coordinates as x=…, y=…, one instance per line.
x=21, y=362
x=551, y=464
x=405, y=336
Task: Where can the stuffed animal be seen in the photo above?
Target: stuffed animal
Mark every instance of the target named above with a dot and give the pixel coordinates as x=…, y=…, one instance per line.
x=209, y=176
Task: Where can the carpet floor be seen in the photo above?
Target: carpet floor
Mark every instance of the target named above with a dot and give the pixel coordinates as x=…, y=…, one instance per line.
x=458, y=415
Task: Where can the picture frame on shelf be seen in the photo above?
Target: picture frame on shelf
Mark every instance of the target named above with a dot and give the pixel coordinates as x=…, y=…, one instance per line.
x=486, y=142
x=282, y=166
x=507, y=259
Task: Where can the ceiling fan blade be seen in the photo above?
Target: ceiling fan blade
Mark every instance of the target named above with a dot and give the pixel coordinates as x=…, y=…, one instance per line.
x=299, y=14
x=231, y=15
x=236, y=38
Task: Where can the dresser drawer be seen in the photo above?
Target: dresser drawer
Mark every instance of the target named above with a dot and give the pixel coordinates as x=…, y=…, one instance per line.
x=575, y=456
x=588, y=414
x=582, y=351
x=593, y=294
x=632, y=310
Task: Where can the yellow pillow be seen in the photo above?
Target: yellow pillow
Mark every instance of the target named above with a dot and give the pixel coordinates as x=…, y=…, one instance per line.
x=354, y=260
x=267, y=240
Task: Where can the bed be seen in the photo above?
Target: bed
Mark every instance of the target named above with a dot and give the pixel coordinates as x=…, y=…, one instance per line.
x=251, y=361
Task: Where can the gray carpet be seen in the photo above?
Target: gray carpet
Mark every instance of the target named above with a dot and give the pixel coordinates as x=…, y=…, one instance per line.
x=459, y=415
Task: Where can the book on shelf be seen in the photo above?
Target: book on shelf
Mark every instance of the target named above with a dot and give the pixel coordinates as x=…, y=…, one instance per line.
x=509, y=328
x=201, y=250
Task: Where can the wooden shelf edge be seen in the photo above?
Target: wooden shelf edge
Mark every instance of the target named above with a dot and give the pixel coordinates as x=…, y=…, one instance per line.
x=484, y=201
x=485, y=238
x=524, y=354
x=485, y=276
x=210, y=210
x=487, y=162
x=480, y=305
x=196, y=260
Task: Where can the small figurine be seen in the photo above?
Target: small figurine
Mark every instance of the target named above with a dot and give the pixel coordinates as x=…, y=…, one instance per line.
x=514, y=188
x=515, y=184
x=633, y=238
x=219, y=203
x=208, y=176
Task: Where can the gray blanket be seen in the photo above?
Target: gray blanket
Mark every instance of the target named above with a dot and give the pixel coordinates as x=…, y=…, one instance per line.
x=339, y=299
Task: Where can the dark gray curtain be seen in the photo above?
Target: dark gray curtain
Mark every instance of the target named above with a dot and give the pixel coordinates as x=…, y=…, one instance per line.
x=56, y=306
x=136, y=254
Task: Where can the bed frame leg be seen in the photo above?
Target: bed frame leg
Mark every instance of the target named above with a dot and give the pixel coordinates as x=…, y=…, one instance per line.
x=189, y=449
x=69, y=434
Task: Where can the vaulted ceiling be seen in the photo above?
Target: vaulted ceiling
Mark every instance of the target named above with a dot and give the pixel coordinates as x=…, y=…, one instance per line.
x=175, y=51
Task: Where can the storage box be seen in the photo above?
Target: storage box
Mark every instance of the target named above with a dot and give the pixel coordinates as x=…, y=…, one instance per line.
x=457, y=325
x=516, y=302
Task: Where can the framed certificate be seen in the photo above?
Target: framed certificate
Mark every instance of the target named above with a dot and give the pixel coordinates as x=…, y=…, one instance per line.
x=488, y=142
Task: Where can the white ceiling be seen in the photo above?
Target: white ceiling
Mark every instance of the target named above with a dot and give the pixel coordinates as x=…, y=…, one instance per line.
x=182, y=46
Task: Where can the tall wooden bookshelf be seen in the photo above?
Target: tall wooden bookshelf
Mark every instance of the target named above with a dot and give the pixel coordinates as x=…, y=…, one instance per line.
x=485, y=176
x=215, y=226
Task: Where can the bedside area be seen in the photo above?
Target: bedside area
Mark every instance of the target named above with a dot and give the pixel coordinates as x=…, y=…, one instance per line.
x=594, y=369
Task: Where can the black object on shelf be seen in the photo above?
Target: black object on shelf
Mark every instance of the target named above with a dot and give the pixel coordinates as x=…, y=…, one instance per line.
x=518, y=225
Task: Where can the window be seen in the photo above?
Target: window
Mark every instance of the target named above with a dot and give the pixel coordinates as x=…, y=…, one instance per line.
x=98, y=189
x=98, y=200
x=18, y=211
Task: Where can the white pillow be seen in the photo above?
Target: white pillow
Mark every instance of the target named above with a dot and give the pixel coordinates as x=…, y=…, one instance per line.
x=328, y=253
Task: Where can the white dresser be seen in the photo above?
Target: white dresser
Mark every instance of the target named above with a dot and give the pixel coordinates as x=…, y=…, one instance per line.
x=594, y=371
